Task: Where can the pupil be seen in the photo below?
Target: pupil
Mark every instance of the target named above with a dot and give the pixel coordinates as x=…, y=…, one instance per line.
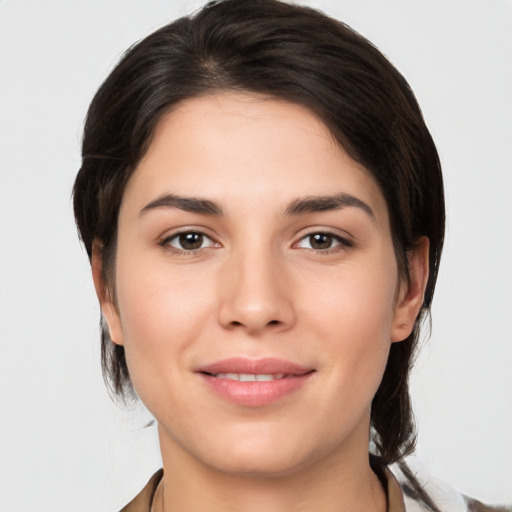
x=191, y=241
x=320, y=241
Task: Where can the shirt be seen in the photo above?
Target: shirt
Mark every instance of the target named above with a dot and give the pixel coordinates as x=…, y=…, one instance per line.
x=401, y=495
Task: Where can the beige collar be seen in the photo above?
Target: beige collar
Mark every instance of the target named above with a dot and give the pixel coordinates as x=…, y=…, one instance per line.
x=144, y=500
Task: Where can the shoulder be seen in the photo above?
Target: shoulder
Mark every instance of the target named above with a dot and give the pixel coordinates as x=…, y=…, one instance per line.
x=142, y=502
x=424, y=493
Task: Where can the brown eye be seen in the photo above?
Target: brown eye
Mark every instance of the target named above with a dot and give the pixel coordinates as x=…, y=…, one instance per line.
x=321, y=241
x=188, y=241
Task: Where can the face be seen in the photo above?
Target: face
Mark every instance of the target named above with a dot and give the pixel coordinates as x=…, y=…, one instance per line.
x=257, y=290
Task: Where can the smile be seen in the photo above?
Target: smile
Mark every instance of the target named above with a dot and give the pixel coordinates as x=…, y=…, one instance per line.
x=250, y=377
x=254, y=383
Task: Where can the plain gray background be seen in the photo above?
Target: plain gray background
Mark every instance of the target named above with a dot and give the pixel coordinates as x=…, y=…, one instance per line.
x=64, y=445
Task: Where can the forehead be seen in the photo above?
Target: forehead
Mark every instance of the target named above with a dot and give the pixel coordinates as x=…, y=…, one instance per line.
x=247, y=148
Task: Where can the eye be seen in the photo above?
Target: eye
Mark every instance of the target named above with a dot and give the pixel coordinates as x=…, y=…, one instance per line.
x=188, y=241
x=322, y=241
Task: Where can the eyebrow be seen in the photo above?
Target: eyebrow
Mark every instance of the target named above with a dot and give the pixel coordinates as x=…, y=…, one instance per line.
x=187, y=204
x=309, y=204
x=313, y=204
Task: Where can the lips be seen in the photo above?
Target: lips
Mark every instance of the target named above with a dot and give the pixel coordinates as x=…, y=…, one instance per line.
x=267, y=366
x=250, y=377
x=254, y=383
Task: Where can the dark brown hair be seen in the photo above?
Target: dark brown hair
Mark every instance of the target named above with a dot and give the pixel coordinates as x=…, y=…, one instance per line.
x=299, y=55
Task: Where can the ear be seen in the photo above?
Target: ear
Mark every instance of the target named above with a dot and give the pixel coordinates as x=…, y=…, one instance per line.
x=104, y=293
x=412, y=292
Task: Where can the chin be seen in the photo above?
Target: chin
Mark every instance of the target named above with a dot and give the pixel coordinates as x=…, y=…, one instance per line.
x=258, y=466
x=261, y=456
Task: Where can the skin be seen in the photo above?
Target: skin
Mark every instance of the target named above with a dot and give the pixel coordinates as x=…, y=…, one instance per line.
x=258, y=287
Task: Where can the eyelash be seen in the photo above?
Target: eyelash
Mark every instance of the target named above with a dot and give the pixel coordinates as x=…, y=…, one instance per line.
x=341, y=242
x=341, y=245
x=166, y=242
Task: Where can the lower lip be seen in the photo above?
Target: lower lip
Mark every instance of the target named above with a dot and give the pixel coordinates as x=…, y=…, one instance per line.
x=254, y=393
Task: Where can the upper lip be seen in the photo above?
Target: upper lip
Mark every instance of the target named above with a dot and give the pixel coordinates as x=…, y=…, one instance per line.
x=255, y=366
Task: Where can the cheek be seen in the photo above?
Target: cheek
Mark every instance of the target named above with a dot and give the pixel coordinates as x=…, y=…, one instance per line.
x=155, y=297
x=354, y=317
x=162, y=312
x=358, y=299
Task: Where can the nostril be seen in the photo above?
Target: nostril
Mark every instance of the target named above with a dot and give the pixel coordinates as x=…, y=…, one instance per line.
x=236, y=323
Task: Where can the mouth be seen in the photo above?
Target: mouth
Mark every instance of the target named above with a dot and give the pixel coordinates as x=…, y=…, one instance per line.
x=267, y=368
x=250, y=377
x=255, y=383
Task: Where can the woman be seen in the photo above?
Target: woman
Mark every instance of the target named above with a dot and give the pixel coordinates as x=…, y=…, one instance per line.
x=263, y=208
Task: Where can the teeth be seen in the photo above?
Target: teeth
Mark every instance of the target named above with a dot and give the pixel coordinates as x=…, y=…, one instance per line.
x=250, y=377
x=266, y=376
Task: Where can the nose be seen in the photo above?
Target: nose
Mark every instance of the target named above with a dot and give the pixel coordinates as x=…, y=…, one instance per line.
x=256, y=294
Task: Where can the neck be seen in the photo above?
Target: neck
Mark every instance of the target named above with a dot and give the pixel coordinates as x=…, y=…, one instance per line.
x=330, y=485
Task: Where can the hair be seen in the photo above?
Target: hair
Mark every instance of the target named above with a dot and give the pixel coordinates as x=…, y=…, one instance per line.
x=286, y=52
